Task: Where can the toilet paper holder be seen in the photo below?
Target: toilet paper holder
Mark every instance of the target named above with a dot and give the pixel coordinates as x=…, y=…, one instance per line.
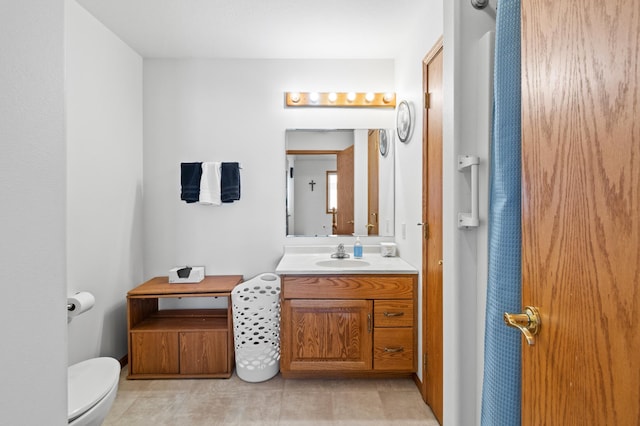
x=79, y=303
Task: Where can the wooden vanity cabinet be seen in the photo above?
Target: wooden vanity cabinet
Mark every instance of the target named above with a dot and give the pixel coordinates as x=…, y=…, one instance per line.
x=180, y=343
x=348, y=325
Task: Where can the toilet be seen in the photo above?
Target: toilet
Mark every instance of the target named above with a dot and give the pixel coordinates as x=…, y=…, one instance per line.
x=92, y=388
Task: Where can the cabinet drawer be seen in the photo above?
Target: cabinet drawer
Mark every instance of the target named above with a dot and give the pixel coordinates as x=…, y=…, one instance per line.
x=393, y=313
x=393, y=349
x=348, y=286
x=154, y=353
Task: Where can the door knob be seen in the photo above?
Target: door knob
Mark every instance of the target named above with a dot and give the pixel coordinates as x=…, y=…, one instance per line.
x=528, y=323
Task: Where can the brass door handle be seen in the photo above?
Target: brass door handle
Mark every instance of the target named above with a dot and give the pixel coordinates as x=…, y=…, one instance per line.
x=528, y=323
x=370, y=226
x=394, y=350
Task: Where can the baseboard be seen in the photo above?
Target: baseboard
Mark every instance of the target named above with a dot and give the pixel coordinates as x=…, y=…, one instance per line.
x=420, y=386
x=124, y=360
x=417, y=381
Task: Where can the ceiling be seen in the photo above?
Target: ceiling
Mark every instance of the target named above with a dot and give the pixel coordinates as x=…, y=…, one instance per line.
x=262, y=28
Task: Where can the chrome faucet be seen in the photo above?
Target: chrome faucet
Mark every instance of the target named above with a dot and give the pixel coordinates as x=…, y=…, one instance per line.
x=340, y=254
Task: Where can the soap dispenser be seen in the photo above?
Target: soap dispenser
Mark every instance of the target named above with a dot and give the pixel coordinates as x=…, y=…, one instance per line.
x=357, y=248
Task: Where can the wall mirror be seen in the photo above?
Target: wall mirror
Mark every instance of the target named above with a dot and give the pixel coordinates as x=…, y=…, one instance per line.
x=339, y=182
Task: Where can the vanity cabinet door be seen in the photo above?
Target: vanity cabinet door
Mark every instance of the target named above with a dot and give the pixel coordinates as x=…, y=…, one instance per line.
x=326, y=335
x=154, y=353
x=203, y=352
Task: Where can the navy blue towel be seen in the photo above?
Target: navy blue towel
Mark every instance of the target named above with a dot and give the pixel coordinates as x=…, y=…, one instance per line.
x=229, y=182
x=190, y=174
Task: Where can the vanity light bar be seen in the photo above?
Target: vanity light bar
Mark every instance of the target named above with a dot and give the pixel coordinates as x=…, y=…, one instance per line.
x=340, y=99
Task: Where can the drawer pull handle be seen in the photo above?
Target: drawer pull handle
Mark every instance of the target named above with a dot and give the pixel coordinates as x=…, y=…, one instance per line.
x=393, y=314
x=369, y=322
x=394, y=350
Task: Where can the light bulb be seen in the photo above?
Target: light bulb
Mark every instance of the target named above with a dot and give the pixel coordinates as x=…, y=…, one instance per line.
x=388, y=97
x=314, y=96
x=295, y=97
x=351, y=96
x=333, y=97
x=369, y=96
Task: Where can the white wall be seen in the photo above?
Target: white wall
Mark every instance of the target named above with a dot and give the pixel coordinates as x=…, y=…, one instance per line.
x=104, y=184
x=32, y=217
x=233, y=110
x=464, y=251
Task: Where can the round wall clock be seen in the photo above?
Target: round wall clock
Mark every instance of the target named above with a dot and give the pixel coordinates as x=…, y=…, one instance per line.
x=383, y=142
x=403, y=121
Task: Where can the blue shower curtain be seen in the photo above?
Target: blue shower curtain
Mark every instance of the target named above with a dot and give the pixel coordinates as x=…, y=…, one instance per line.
x=501, y=384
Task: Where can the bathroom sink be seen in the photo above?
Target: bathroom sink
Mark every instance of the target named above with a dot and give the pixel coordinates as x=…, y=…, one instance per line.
x=342, y=263
x=317, y=260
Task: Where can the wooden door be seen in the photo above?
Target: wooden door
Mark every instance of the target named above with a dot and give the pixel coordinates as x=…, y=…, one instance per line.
x=432, y=223
x=373, y=167
x=326, y=335
x=344, y=216
x=581, y=211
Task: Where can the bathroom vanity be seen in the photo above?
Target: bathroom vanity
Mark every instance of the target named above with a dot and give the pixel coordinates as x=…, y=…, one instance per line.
x=180, y=343
x=348, y=318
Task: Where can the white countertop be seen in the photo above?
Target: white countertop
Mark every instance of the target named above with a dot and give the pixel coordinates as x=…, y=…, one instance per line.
x=303, y=260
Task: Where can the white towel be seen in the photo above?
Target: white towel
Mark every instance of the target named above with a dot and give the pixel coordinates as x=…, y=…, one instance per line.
x=210, y=183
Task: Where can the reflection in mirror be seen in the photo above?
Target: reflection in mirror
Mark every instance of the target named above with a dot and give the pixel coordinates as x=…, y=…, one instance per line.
x=332, y=191
x=340, y=182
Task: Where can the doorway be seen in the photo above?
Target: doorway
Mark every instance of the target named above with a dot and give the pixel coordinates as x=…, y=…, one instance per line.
x=432, y=376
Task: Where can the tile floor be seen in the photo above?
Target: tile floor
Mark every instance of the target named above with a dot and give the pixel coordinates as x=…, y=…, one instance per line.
x=277, y=401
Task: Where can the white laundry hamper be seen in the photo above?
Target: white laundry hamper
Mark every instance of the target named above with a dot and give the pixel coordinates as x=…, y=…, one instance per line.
x=256, y=326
